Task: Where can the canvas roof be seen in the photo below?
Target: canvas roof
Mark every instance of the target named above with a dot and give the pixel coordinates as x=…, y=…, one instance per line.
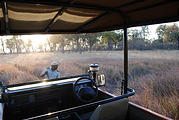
x=82, y=16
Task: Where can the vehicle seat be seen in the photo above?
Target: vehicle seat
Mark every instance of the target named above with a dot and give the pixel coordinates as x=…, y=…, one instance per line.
x=116, y=110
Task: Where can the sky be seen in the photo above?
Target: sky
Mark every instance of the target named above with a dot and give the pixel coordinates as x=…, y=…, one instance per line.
x=152, y=29
x=36, y=39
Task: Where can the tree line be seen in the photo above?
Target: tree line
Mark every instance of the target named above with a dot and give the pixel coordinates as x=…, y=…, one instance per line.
x=167, y=38
x=138, y=39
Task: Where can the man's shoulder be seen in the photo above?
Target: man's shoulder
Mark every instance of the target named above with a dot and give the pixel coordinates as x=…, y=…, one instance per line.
x=48, y=69
x=57, y=70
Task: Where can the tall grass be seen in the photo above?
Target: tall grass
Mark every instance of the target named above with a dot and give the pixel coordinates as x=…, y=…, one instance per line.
x=153, y=74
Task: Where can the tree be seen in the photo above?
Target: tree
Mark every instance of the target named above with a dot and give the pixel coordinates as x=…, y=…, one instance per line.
x=57, y=42
x=3, y=46
x=172, y=33
x=134, y=34
x=137, y=39
x=91, y=39
x=168, y=35
x=40, y=47
x=10, y=44
x=117, y=38
x=62, y=42
x=52, y=43
x=161, y=31
x=157, y=44
x=45, y=46
x=74, y=40
x=145, y=32
x=18, y=43
x=84, y=41
x=111, y=39
x=29, y=45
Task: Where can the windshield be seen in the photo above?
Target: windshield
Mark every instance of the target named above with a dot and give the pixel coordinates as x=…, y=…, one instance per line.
x=153, y=61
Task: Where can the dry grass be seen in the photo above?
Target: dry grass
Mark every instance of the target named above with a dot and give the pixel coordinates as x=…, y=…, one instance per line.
x=153, y=74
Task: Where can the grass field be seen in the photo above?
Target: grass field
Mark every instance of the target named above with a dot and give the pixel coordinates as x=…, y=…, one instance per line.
x=153, y=74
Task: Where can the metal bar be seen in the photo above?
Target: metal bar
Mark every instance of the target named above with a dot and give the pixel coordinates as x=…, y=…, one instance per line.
x=125, y=60
x=5, y=14
x=108, y=28
x=74, y=109
x=92, y=21
x=60, y=12
x=34, y=82
x=99, y=17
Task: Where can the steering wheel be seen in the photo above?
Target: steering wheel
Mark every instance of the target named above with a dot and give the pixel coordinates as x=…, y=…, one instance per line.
x=85, y=91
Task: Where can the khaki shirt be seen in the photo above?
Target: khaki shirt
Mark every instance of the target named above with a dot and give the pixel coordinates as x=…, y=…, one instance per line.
x=51, y=74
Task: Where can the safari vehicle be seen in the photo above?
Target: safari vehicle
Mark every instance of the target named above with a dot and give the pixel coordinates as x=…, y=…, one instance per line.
x=77, y=97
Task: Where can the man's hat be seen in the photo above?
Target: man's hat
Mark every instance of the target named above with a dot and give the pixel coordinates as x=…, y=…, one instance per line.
x=54, y=63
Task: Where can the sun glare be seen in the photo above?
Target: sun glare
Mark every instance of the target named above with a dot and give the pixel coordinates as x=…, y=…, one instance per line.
x=36, y=39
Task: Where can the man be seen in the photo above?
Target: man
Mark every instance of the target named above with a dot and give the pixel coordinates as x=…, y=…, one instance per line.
x=52, y=72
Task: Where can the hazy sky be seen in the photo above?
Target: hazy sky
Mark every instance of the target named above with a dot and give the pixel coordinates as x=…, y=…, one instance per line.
x=152, y=29
x=36, y=39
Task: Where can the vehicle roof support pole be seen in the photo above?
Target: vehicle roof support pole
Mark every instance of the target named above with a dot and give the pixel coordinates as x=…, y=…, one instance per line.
x=125, y=43
x=5, y=14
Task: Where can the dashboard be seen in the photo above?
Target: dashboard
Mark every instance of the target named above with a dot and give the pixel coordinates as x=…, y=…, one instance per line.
x=42, y=98
x=28, y=96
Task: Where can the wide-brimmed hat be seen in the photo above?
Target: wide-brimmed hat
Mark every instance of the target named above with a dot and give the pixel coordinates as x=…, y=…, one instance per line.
x=54, y=63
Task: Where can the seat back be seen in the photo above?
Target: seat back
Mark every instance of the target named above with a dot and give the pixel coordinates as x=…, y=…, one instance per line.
x=116, y=110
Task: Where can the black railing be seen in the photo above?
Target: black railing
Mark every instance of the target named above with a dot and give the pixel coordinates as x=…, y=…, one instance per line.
x=74, y=109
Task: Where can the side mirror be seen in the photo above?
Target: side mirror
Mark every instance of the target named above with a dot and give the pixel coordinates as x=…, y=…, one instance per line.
x=94, y=75
x=100, y=81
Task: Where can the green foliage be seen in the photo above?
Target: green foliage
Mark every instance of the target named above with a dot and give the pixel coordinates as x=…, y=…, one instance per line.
x=145, y=32
x=168, y=35
x=172, y=34
x=92, y=39
x=19, y=43
x=161, y=31
x=112, y=39
x=15, y=43
x=134, y=35
x=10, y=44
